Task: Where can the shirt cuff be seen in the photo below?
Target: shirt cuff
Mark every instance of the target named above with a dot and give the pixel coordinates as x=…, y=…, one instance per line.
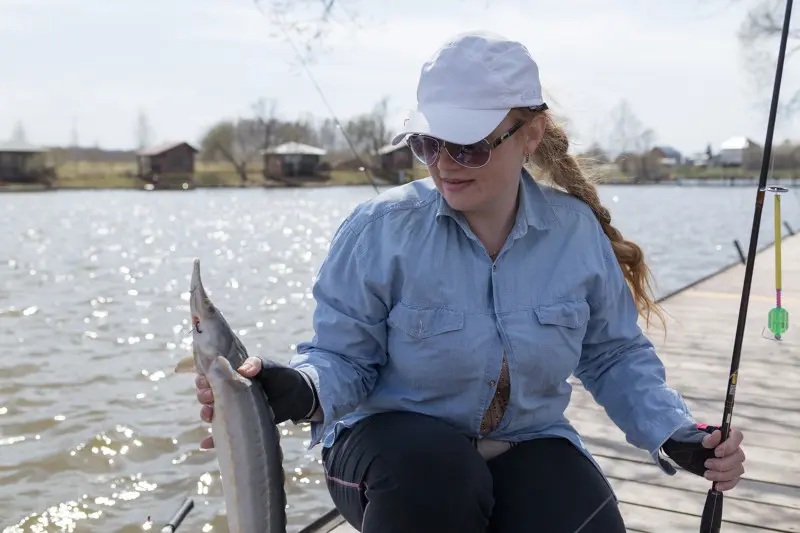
x=664, y=463
x=315, y=414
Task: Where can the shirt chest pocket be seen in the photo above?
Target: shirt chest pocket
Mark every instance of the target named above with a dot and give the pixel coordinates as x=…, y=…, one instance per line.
x=433, y=335
x=560, y=327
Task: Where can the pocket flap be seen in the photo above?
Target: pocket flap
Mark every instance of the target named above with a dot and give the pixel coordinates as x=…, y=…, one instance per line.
x=569, y=314
x=420, y=322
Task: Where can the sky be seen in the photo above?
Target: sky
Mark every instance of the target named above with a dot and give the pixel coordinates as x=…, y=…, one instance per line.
x=93, y=65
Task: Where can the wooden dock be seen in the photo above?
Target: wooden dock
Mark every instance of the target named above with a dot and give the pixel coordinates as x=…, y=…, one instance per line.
x=697, y=353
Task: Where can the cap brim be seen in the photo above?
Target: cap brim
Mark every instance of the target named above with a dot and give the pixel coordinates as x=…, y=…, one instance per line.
x=462, y=126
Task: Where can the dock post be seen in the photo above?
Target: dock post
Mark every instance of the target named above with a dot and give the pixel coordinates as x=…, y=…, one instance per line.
x=739, y=249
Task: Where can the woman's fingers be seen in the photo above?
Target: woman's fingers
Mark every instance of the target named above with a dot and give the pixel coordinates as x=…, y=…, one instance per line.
x=201, y=382
x=250, y=367
x=205, y=396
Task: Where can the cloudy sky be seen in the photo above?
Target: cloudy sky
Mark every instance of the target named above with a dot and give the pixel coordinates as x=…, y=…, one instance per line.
x=188, y=63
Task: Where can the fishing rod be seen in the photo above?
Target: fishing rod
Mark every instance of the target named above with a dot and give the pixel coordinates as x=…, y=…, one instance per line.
x=304, y=64
x=711, y=520
x=179, y=516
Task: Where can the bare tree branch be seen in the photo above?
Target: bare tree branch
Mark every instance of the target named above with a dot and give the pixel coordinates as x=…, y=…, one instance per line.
x=306, y=23
x=759, y=36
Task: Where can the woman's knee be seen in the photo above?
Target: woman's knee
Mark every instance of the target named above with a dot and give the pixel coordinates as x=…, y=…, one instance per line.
x=416, y=472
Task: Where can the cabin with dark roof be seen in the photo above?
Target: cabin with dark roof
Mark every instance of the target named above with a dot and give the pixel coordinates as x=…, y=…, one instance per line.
x=396, y=157
x=175, y=158
x=666, y=155
x=23, y=162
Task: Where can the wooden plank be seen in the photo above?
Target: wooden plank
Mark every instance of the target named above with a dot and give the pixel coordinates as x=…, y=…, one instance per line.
x=774, y=448
x=656, y=520
x=747, y=491
x=761, y=464
x=747, y=513
x=761, y=427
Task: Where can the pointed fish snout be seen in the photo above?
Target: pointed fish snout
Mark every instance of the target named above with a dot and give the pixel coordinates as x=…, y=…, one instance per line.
x=199, y=304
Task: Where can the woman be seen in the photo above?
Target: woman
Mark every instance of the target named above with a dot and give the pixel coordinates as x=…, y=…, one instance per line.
x=452, y=310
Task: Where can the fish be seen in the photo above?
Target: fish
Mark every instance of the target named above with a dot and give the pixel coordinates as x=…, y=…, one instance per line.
x=246, y=438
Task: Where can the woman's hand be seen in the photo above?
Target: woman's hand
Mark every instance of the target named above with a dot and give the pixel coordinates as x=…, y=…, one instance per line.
x=727, y=467
x=250, y=368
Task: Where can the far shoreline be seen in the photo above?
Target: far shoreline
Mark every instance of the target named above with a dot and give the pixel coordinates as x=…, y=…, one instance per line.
x=349, y=179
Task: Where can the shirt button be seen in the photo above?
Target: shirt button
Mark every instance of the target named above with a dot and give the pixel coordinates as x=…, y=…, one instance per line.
x=492, y=383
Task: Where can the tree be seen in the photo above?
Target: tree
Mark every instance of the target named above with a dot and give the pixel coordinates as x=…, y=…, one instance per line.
x=596, y=154
x=625, y=129
x=306, y=23
x=759, y=37
x=329, y=134
x=631, y=139
x=265, y=114
x=144, y=132
x=18, y=134
x=237, y=141
x=370, y=131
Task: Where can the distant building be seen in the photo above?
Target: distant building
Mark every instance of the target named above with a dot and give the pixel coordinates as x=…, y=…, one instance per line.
x=666, y=155
x=23, y=162
x=170, y=158
x=740, y=152
x=293, y=160
x=396, y=157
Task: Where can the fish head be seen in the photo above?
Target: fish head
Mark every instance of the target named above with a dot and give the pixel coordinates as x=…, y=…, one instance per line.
x=211, y=335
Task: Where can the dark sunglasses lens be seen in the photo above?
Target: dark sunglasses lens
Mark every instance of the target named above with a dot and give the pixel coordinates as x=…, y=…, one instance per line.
x=424, y=148
x=470, y=155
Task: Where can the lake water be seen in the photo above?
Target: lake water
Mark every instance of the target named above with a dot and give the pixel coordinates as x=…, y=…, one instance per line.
x=98, y=434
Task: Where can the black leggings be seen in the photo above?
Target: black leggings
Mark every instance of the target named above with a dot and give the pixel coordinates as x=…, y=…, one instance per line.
x=410, y=473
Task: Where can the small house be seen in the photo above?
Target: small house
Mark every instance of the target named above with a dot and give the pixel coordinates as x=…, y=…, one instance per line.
x=666, y=155
x=175, y=158
x=396, y=157
x=23, y=162
x=740, y=152
x=292, y=160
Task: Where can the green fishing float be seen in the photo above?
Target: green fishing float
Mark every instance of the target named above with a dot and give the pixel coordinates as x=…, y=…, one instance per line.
x=778, y=318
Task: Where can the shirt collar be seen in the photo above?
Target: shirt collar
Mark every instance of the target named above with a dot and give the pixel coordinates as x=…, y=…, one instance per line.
x=534, y=209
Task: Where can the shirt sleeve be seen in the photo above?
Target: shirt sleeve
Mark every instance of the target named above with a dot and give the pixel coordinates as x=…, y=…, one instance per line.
x=349, y=343
x=620, y=368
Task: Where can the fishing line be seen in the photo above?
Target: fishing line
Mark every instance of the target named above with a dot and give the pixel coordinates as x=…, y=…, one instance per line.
x=304, y=64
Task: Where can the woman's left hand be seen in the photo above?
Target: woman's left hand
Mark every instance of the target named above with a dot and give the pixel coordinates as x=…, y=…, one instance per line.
x=727, y=467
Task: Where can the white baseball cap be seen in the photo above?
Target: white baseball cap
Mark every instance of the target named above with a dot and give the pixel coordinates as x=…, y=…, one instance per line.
x=469, y=85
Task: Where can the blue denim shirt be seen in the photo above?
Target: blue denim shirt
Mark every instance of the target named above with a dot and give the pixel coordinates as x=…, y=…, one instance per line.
x=412, y=315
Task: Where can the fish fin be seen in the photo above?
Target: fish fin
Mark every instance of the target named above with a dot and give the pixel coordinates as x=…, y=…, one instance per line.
x=227, y=371
x=185, y=365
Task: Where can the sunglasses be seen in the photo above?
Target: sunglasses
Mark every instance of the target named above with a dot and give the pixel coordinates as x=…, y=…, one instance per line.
x=476, y=155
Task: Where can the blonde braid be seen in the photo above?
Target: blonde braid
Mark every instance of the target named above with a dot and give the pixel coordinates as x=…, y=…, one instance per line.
x=566, y=172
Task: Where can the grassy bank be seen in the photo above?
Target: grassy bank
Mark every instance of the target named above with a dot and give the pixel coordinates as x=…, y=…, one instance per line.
x=100, y=175
x=92, y=175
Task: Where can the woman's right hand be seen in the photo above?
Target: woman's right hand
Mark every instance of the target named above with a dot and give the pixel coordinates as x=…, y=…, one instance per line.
x=250, y=368
x=290, y=396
